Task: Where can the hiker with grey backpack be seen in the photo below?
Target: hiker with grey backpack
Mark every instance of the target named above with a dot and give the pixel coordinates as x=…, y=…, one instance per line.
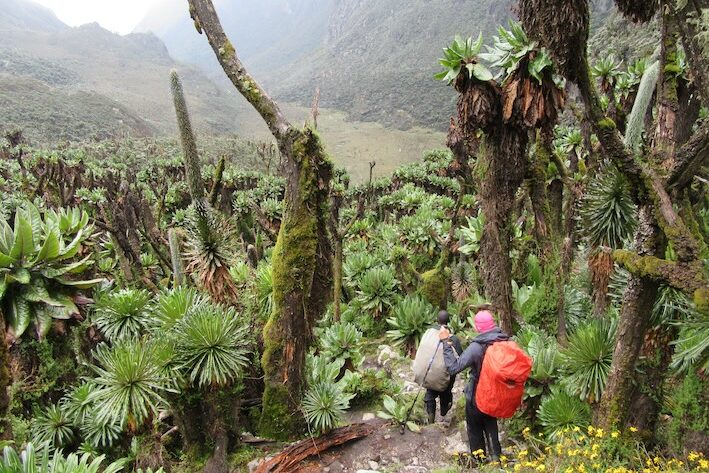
x=430, y=370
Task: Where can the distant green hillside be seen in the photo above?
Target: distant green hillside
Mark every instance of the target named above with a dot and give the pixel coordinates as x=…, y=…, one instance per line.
x=64, y=115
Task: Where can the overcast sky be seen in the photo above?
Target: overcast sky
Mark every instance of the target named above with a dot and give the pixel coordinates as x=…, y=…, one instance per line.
x=120, y=16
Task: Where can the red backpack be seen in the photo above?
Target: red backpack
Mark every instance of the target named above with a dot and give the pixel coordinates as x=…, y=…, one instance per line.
x=505, y=369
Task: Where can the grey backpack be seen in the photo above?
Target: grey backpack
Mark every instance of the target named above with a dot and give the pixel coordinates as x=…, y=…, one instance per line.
x=429, y=366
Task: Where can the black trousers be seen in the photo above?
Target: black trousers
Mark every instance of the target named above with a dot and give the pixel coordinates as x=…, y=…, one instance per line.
x=482, y=431
x=446, y=398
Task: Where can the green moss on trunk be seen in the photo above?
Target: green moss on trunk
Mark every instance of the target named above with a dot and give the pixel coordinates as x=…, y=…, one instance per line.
x=301, y=286
x=435, y=284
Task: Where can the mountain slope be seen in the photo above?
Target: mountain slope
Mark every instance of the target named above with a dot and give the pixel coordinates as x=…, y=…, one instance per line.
x=27, y=15
x=128, y=73
x=373, y=59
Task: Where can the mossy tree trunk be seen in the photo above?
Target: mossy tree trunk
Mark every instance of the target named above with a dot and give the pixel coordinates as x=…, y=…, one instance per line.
x=638, y=300
x=505, y=163
x=302, y=269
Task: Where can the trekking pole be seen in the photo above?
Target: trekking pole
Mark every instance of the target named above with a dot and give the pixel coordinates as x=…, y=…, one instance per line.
x=402, y=427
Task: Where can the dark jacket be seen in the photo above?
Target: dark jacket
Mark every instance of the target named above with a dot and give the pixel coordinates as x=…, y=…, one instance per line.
x=472, y=358
x=456, y=343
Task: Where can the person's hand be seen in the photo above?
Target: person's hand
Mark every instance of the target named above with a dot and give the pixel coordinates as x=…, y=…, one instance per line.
x=444, y=333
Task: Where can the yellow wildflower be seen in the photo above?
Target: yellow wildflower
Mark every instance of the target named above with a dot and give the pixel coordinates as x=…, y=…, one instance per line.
x=541, y=467
x=577, y=429
x=693, y=456
x=633, y=429
x=615, y=434
x=599, y=433
x=703, y=464
x=526, y=430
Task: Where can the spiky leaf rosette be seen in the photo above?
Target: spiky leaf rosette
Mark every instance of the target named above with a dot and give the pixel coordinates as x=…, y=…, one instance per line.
x=639, y=11
x=560, y=411
x=52, y=428
x=325, y=405
x=609, y=210
x=130, y=382
x=588, y=358
x=210, y=249
x=212, y=345
x=462, y=281
x=562, y=27
x=122, y=314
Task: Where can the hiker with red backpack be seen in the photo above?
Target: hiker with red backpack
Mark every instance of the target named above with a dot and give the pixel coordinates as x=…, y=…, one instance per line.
x=499, y=369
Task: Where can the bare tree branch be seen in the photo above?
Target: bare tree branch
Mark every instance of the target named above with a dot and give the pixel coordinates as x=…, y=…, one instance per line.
x=207, y=21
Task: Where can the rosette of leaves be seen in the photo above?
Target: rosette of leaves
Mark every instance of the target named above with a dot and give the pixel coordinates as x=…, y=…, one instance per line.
x=324, y=405
x=530, y=94
x=462, y=55
x=52, y=428
x=210, y=250
x=587, y=358
x=607, y=69
x=478, y=102
x=560, y=411
x=341, y=341
x=212, y=345
x=510, y=48
x=122, y=314
x=608, y=210
x=377, y=290
x=130, y=382
x=411, y=317
x=40, y=257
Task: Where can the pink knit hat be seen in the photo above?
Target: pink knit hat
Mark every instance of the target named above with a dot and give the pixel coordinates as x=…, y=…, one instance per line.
x=484, y=322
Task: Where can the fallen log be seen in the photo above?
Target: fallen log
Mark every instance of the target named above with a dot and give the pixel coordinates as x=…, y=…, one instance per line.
x=288, y=459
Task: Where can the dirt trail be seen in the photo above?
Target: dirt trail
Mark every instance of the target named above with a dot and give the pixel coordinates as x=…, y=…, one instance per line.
x=387, y=450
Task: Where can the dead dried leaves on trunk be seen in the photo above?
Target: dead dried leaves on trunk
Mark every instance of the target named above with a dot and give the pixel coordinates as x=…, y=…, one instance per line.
x=529, y=104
